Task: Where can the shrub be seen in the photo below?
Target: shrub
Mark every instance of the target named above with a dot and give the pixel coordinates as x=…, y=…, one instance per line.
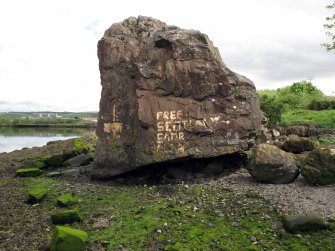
x=298, y=95
x=272, y=108
x=325, y=103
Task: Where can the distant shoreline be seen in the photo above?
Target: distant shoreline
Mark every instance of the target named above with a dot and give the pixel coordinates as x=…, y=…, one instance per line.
x=88, y=126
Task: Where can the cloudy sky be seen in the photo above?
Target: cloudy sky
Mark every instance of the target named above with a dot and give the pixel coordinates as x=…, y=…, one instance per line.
x=48, y=48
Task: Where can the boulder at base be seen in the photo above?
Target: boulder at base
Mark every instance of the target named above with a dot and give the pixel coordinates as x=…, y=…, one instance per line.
x=269, y=164
x=167, y=95
x=318, y=167
x=299, y=145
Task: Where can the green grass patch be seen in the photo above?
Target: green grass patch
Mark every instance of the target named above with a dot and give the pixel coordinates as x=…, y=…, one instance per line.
x=147, y=219
x=323, y=119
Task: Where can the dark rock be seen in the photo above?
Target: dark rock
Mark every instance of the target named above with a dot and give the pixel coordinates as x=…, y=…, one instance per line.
x=67, y=238
x=167, y=95
x=269, y=164
x=318, y=167
x=80, y=160
x=55, y=160
x=303, y=223
x=175, y=173
x=299, y=130
x=28, y=172
x=214, y=167
x=65, y=217
x=299, y=145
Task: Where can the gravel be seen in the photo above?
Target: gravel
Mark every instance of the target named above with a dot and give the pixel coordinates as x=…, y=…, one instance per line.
x=296, y=197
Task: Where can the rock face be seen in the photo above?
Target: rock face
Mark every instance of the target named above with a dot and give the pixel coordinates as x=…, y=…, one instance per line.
x=318, y=167
x=167, y=95
x=269, y=164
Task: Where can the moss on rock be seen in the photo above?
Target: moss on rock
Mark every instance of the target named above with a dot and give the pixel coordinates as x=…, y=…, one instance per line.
x=68, y=239
x=318, y=167
x=36, y=195
x=64, y=217
x=303, y=223
x=299, y=145
x=28, y=172
x=66, y=200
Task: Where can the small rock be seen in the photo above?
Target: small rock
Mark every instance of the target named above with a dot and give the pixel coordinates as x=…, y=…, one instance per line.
x=80, y=160
x=303, y=223
x=64, y=217
x=66, y=200
x=55, y=161
x=67, y=238
x=37, y=195
x=28, y=172
x=54, y=174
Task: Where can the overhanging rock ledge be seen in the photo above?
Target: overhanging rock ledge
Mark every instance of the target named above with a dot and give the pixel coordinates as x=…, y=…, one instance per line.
x=166, y=96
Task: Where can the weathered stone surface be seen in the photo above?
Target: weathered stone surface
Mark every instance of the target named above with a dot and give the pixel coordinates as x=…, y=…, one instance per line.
x=318, y=167
x=303, y=223
x=167, y=95
x=299, y=145
x=269, y=164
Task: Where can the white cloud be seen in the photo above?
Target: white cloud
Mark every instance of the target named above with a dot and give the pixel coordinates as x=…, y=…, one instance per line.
x=48, y=48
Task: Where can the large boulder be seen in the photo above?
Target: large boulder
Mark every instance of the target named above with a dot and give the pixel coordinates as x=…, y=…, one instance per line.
x=318, y=167
x=167, y=95
x=269, y=164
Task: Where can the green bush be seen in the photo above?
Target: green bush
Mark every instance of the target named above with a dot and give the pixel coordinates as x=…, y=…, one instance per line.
x=272, y=108
x=325, y=103
x=298, y=95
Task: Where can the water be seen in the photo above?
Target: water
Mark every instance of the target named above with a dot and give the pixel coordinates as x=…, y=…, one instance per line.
x=17, y=138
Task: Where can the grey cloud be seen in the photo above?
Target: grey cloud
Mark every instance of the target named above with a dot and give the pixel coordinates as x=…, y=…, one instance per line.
x=292, y=62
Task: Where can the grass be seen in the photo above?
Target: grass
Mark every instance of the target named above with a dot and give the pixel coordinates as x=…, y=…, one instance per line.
x=323, y=119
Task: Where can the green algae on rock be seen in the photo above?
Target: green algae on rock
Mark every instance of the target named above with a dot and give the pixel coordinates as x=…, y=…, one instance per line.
x=36, y=195
x=65, y=217
x=28, y=172
x=68, y=239
x=66, y=200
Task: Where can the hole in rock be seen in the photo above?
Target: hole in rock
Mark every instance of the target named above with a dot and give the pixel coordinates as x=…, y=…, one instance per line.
x=191, y=170
x=163, y=43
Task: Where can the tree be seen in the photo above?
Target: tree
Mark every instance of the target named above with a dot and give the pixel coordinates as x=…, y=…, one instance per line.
x=330, y=26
